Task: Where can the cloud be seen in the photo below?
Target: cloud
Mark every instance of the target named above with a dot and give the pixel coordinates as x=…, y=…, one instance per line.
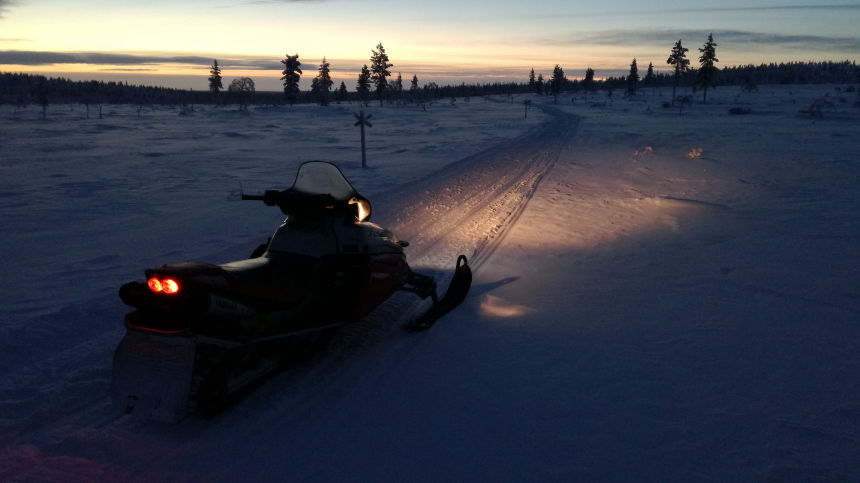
x=4, y=6
x=263, y=2
x=639, y=37
x=139, y=62
x=127, y=70
x=26, y=57
x=774, y=8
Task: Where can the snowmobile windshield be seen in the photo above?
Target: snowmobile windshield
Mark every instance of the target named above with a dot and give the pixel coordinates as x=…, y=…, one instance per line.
x=321, y=178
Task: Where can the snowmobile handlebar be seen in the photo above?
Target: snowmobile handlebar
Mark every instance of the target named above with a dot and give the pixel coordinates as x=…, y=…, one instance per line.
x=296, y=202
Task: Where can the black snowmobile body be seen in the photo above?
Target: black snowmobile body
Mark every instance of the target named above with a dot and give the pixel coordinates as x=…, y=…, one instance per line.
x=203, y=334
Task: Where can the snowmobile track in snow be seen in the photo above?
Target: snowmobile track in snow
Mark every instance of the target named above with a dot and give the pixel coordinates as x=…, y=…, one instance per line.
x=468, y=207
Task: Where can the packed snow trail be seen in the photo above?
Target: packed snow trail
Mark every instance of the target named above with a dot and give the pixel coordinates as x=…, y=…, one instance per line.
x=468, y=207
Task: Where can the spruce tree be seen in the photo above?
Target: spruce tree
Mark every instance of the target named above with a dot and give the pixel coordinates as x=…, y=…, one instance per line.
x=363, y=85
x=532, y=82
x=707, y=71
x=556, y=82
x=291, y=77
x=215, y=79
x=678, y=58
x=324, y=82
x=398, y=88
x=379, y=68
x=650, y=78
x=589, y=79
x=632, y=79
x=539, y=85
x=341, y=92
x=42, y=96
x=414, y=93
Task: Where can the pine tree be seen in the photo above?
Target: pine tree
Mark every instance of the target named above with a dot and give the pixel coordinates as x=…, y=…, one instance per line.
x=707, y=71
x=556, y=82
x=324, y=82
x=589, y=79
x=650, y=78
x=678, y=58
x=363, y=85
x=633, y=78
x=414, y=93
x=398, y=88
x=215, y=79
x=291, y=77
x=341, y=92
x=42, y=96
x=379, y=67
x=539, y=85
x=532, y=82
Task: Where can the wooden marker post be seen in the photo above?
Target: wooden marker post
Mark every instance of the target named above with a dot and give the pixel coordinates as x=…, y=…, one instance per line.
x=528, y=104
x=363, y=121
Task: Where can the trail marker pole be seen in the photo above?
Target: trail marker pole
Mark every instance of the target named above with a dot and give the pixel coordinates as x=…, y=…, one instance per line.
x=528, y=103
x=363, y=121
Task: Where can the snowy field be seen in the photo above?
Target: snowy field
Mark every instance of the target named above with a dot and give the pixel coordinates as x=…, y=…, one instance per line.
x=636, y=315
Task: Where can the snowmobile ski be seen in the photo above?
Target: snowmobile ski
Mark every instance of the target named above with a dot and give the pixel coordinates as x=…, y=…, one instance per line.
x=457, y=291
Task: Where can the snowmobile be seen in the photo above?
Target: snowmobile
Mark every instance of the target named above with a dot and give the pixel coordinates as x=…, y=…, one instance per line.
x=202, y=335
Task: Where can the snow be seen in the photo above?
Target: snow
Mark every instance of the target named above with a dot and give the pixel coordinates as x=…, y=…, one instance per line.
x=635, y=314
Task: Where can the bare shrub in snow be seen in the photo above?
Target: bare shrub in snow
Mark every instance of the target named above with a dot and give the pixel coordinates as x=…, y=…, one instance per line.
x=818, y=107
x=695, y=153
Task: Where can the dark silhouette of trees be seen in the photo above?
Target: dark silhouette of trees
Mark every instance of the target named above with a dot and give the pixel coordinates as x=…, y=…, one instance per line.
x=857, y=102
x=363, y=85
x=398, y=88
x=589, y=79
x=379, y=68
x=678, y=58
x=341, y=92
x=539, y=85
x=632, y=79
x=215, y=79
x=242, y=90
x=322, y=83
x=18, y=90
x=707, y=71
x=650, y=80
x=42, y=96
x=556, y=82
x=532, y=82
x=291, y=77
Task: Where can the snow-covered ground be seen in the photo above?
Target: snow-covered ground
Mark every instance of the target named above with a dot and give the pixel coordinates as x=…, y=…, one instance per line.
x=636, y=314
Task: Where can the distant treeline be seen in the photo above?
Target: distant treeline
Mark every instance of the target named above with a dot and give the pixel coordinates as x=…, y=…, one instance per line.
x=827, y=72
x=20, y=90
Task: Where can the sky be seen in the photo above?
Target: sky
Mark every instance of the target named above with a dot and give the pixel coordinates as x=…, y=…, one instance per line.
x=173, y=42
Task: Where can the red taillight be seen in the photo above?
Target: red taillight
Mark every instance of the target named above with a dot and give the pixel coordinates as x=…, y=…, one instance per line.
x=155, y=285
x=167, y=285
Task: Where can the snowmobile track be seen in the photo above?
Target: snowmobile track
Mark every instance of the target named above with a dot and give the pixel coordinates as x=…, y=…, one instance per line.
x=469, y=207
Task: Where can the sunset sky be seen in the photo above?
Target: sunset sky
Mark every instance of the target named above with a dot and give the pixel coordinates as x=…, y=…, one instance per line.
x=173, y=42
